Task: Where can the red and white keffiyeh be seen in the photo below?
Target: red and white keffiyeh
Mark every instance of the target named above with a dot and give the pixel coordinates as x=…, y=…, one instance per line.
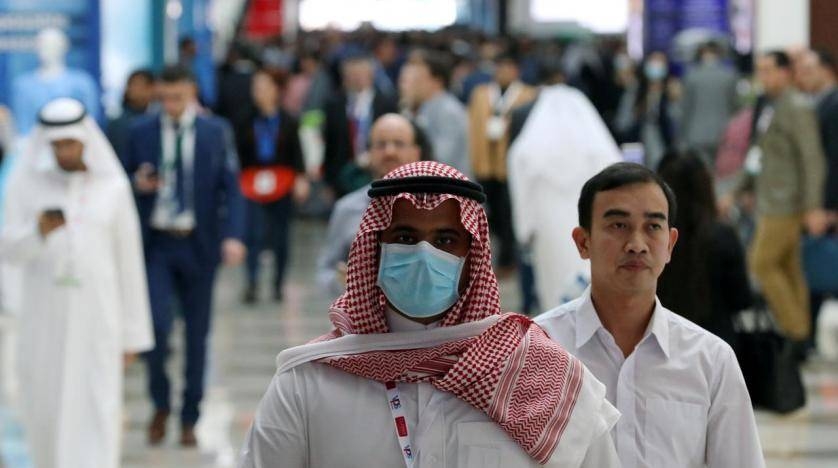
x=513, y=372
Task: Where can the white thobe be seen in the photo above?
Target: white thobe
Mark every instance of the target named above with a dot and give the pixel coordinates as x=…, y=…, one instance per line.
x=315, y=415
x=85, y=303
x=561, y=145
x=681, y=393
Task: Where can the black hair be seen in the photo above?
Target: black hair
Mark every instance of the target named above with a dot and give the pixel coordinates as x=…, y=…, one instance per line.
x=616, y=176
x=438, y=64
x=685, y=285
x=825, y=59
x=144, y=73
x=176, y=74
x=781, y=59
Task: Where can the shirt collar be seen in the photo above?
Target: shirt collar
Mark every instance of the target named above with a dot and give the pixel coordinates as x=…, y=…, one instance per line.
x=587, y=323
x=186, y=119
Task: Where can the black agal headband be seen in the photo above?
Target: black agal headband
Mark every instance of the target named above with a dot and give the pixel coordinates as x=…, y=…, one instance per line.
x=427, y=184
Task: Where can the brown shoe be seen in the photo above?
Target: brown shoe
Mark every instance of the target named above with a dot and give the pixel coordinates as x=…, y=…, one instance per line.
x=157, y=428
x=187, y=436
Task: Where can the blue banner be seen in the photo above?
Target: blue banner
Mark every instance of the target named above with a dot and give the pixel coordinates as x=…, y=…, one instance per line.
x=664, y=19
x=20, y=22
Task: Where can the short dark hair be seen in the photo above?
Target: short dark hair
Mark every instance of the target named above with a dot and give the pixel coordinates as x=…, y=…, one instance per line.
x=825, y=59
x=438, y=63
x=143, y=73
x=176, y=74
x=781, y=59
x=616, y=176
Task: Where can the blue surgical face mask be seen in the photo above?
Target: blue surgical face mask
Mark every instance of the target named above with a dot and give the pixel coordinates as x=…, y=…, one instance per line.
x=419, y=280
x=655, y=71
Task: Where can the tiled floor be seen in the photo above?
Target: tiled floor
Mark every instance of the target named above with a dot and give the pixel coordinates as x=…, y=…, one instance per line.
x=246, y=340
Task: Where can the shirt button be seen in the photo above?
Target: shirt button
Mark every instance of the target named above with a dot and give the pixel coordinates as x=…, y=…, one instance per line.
x=434, y=460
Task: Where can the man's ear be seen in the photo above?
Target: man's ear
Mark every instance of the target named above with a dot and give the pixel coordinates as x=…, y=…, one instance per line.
x=673, y=239
x=581, y=238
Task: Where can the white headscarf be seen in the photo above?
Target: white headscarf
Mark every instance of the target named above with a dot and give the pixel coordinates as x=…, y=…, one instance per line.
x=66, y=118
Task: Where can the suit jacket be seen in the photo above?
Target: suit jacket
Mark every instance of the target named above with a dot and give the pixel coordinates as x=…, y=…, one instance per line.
x=791, y=179
x=489, y=158
x=338, y=144
x=218, y=203
x=709, y=102
x=288, y=150
x=828, y=118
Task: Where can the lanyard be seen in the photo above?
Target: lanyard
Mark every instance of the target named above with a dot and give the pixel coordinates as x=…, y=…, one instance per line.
x=400, y=422
x=502, y=103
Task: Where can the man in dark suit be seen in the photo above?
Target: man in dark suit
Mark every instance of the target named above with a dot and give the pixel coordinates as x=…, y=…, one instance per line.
x=820, y=83
x=185, y=179
x=349, y=116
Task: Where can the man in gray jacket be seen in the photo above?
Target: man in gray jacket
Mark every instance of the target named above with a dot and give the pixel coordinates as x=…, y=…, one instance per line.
x=709, y=102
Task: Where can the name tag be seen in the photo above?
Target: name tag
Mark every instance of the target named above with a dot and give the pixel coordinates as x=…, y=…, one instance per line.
x=495, y=128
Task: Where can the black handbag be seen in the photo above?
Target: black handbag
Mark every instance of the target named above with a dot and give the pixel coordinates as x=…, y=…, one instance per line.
x=769, y=363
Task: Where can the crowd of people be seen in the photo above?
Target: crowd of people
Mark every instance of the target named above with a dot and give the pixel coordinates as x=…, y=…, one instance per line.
x=421, y=147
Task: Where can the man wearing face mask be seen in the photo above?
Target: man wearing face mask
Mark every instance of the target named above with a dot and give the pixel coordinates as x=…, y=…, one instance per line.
x=71, y=225
x=422, y=368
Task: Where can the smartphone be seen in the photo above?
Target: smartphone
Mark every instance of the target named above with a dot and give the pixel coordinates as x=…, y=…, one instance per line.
x=56, y=213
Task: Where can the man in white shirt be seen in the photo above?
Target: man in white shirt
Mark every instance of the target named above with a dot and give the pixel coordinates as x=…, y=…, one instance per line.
x=422, y=368
x=679, y=388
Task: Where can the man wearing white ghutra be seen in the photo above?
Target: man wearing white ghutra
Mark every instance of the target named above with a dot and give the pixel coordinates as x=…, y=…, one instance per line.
x=72, y=227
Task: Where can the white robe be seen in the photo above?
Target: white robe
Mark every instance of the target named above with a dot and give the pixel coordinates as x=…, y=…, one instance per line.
x=72, y=337
x=563, y=143
x=314, y=415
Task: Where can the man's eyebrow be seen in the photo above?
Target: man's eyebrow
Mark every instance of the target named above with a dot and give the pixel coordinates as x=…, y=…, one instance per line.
x=449, y=231
x=655, y=215
x=616, y=213
x=402, y=228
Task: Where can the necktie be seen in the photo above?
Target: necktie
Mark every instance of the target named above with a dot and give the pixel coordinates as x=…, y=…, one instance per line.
x=180, y=192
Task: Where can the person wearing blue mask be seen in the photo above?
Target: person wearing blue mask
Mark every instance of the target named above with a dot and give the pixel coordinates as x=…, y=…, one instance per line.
x=423, y=369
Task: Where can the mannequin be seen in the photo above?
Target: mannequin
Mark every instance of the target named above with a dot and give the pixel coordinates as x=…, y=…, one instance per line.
x=51, y=80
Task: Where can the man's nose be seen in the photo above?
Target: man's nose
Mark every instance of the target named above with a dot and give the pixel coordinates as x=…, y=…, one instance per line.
x=636, y=243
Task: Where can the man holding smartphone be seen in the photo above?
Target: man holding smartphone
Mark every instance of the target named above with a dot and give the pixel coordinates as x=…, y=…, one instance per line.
x=72, y=226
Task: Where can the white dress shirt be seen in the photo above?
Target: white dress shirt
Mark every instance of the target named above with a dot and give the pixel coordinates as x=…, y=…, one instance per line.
x=315, y=415
x=681, y=393
x=165, y=215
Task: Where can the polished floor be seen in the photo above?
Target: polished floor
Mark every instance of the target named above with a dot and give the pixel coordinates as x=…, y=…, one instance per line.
x=246, y=340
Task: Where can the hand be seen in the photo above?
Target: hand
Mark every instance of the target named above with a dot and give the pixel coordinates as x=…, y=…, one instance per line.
x=233, y=252
x=128, y=359
x=340, y=273
x=146, y=180
x=816, y=222
x=302, y=189
x=47, y=223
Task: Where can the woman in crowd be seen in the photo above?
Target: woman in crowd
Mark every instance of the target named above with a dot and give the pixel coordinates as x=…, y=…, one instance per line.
x=272, y=177
x=707, y=280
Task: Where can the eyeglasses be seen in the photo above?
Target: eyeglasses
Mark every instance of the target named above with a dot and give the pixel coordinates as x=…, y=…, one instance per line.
x=398, y=145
